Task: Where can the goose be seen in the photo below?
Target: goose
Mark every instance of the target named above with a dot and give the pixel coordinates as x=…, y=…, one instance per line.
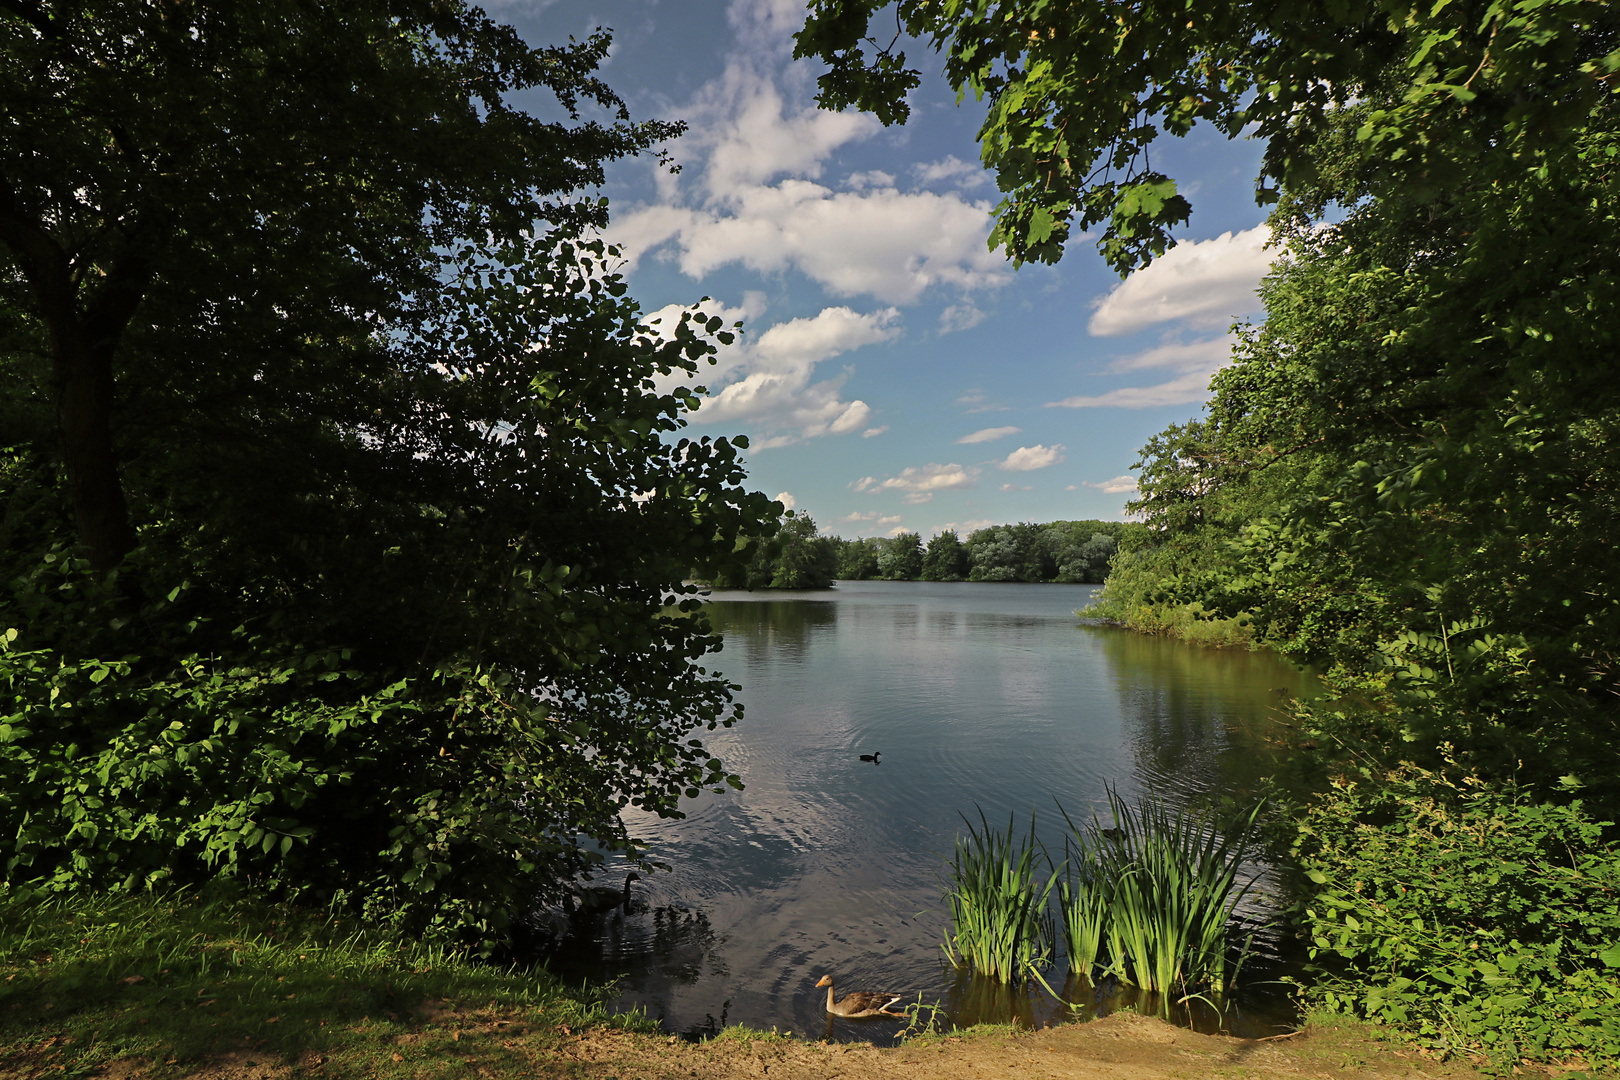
x=873, y=756
x=860, y=1003
x=603, y=897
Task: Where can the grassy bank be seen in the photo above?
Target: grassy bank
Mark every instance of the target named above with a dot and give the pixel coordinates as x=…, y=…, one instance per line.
x=169, y=982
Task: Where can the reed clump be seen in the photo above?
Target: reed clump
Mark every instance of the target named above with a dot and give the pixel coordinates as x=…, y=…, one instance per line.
x=1149, y=900
x=999, y=903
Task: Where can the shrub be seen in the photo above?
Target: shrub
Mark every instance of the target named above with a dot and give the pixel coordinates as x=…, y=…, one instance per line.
x=1475, y=918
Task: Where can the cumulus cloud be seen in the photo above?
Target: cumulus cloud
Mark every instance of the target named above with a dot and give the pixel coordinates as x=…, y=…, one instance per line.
x=1119, y=485
x=758, y=204
x=769, y=381
x=875, y=517
x=1205, y=283
x=874, y=432
x=1029, y=458
x=882, y=243
x=920, y=483
x=1016, y=487
x=788, y=501
x=989, y=434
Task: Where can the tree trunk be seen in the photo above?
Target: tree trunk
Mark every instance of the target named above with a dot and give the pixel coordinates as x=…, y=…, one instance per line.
x=83, y=341
x=84, y=380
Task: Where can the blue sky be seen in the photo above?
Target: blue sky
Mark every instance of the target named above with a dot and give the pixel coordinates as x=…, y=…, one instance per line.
x=894, y=373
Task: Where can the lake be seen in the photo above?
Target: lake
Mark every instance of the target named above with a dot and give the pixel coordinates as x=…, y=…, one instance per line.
x=977, y=697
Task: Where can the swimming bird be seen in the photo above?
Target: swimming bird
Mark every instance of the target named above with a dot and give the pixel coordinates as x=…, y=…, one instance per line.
x=873, y=756
x=860, y=1003
x=603, y=897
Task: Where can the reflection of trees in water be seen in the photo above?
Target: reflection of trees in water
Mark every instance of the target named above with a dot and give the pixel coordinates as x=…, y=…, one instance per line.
x=771, y=629
x=670, y=945
x=1199, y=720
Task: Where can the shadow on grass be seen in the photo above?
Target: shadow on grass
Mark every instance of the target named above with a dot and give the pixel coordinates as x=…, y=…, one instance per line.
x=173, y=981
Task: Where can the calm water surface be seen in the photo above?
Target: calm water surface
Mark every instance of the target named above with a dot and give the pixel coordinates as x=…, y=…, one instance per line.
x=978, y=696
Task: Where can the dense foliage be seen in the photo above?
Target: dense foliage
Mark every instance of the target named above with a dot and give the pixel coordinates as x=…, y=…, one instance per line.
x=797, y=556
x=1407, y=474
x=344, y=530
x=1474, y=915
x=1063, y=551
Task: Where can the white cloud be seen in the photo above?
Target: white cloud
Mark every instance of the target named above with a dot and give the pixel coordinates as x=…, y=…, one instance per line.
x=739, y=119
x=962, y=316
x=874, y=516
x=874, y=432
x=768, y=381
x=952, y=168
x=766, y=24
x=787, y=501
x=1119, y=485
x=1196, y=361
x=1028, y=458
x=989, y=434
x=876, y=178
x=881, y=244
x=898, y=529
x=1186, y=390
x=920, y=484
x=760, y=208
x=1016, y=487
x=1207, y=356
x=965, y=527
x=1205, y=283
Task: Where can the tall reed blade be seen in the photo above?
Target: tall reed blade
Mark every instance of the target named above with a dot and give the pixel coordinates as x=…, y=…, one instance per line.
x=998, y=901
x=1154, y=895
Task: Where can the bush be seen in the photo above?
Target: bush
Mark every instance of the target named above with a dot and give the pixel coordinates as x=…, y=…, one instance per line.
x=442, y=802
x=1474, y=918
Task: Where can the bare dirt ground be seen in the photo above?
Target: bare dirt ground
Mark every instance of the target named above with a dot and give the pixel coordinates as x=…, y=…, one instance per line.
x=1121, y=1047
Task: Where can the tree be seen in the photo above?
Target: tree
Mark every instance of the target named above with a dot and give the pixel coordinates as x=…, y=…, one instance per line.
x=181, y=177
x=404, y=625
x=996, y=554
x=1079, y=91
x=900, y=558
x=793, y=557
x=945, y=559
x=858, y=559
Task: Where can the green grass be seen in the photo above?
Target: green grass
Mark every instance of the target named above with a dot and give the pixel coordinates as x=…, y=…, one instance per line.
x=998, y=903
x=174, y=980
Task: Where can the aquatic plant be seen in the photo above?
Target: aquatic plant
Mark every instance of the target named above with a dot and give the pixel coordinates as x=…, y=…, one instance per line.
x=999, y=904
x=1154, y=894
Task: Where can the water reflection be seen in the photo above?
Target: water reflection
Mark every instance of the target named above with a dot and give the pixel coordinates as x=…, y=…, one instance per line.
x=986, y=697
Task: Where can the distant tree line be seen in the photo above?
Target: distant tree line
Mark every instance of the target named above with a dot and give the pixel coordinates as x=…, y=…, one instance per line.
x=799, y=557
